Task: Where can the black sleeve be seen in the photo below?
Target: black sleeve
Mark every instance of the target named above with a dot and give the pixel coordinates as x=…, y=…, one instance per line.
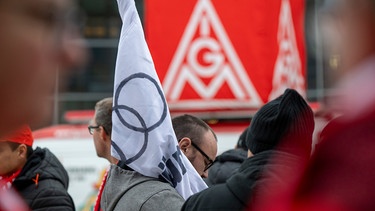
x=51, y=196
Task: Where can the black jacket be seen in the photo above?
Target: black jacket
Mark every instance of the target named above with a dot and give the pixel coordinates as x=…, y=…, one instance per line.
x=43, y=182
x=226, y=165
x=237, y=192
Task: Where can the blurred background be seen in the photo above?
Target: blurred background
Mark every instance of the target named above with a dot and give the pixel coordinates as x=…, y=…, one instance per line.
x=101, y=28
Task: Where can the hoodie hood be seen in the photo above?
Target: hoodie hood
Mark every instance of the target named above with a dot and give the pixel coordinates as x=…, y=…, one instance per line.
x=42, y=165
x=121, y=181
x=225, y=166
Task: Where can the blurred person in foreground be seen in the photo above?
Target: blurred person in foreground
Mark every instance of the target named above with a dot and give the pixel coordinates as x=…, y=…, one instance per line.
x=36, y=174
x=39, y=43
x=227, y=163
x=282, y=128
x=10, y=200
x=341, y=173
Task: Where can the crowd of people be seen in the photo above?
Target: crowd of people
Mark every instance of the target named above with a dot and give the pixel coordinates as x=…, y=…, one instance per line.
x=272, y=167
x=124, y=187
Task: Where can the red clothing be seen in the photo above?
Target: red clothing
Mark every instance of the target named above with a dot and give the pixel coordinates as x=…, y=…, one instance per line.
x=99, y=197
x=343, y=169
x=6, y=182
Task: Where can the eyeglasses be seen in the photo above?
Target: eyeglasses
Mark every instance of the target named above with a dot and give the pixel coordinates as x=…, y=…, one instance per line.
x=210, y=162
x=91, y=128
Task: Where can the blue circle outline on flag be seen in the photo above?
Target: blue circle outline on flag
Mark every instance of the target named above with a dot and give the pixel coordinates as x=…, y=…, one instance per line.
x=144, y=128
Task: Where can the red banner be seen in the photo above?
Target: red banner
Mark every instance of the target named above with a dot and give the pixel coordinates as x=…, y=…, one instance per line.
x=226, y=55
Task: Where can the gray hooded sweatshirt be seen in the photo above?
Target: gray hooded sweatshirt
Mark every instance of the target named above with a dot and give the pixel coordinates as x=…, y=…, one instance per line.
x=129, y=190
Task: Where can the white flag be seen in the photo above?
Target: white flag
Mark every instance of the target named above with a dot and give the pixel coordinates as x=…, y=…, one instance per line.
x=142, y=134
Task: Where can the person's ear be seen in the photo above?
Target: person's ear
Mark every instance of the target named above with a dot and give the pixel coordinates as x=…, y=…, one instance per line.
x=184, y=144
x=22, y=151
x=103, y=134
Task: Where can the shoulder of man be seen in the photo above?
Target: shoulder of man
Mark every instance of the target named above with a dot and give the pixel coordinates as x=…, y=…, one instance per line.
x=151, y=195
x=217, y=197
x=164, y=197
x=48, y=193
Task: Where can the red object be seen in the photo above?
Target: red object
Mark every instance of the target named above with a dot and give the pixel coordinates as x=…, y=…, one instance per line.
x=100, y=192
x=79, y=116
x=226, y=56
x=63, y=132
x=6, y=181
x=21, y=136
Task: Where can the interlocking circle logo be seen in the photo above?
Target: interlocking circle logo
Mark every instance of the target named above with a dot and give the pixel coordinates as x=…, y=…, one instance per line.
x=120, y=109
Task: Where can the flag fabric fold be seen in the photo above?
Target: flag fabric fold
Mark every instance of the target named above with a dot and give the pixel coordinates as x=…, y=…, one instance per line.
x=142, y=133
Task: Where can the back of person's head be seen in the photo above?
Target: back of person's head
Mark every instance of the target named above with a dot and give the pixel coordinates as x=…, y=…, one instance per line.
x=242, y=140
x=103, y=114
x=190, y=126
x=286, y=122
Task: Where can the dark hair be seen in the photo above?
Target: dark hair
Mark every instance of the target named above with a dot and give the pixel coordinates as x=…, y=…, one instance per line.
x=14, y=145
x=103, y=117
x=191, y=127
x=242, y=139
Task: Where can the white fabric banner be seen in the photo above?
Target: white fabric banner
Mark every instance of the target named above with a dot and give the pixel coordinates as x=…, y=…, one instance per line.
x=142, y=133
